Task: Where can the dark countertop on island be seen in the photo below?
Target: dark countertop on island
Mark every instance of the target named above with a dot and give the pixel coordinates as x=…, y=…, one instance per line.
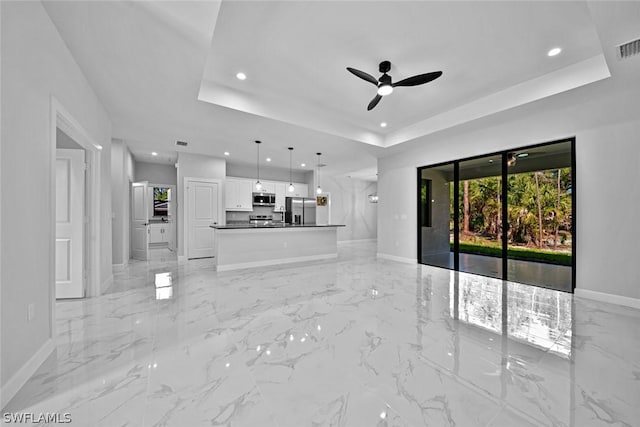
x=277, y=225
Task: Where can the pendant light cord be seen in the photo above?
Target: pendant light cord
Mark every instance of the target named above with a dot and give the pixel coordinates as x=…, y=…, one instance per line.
x=319, y=154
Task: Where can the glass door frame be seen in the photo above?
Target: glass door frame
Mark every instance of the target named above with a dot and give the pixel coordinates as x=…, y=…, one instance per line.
x=505, y=205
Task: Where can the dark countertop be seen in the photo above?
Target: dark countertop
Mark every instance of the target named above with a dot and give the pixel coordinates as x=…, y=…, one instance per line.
x=277, y=225
x=157, y=221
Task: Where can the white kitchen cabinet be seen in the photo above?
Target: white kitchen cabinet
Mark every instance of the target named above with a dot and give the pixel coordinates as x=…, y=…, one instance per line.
x=281, y=192
x=159, y=233
x=238, y=195
x=301, y=190
x=268, y=187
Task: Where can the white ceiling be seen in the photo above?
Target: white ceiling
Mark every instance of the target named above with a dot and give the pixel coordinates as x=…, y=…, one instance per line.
x=165, y=71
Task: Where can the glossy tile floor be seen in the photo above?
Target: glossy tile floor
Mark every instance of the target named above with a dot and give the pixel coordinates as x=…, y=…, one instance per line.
x=352, y=342
x=534, y=273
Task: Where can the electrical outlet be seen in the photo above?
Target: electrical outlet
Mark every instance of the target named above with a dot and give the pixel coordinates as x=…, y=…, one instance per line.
x=31, y=312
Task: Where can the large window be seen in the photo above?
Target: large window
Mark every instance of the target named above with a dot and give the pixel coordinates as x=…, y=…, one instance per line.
x=507, y=215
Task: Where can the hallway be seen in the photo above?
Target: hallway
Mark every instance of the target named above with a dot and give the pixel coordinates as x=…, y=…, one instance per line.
x=353, y=342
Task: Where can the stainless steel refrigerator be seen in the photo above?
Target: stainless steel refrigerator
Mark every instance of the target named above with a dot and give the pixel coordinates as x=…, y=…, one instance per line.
x=300, y=210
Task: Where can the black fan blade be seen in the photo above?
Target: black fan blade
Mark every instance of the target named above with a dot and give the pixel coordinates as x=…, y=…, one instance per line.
x=420, y=79
x=363, y=75
x=374, y=102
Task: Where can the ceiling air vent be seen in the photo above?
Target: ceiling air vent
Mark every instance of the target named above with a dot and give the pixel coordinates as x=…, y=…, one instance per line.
x=182, y=143
x=629, y=49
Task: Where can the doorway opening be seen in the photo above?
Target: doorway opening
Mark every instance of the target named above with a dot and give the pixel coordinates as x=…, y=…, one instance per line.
x=508, y=215
x=80, y=204
x=71, y=228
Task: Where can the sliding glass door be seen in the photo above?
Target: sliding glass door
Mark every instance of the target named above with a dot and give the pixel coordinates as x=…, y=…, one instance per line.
x=437, y=216
x=540, y=208
x=506, y=215
x=480, y=216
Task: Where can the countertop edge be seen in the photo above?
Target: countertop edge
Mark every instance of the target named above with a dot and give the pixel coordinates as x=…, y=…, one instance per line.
x=277, y=227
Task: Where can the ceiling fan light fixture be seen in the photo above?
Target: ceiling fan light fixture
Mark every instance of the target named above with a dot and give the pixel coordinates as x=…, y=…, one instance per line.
x=384, y=90
x=385, y=84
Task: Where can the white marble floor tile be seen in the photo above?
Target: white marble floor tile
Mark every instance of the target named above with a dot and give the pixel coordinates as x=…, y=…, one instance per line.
x=355, y=342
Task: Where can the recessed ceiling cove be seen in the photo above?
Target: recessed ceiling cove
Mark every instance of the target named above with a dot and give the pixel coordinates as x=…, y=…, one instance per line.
x=493, y=55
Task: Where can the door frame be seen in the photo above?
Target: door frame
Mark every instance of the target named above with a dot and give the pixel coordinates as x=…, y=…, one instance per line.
x=185, y=209
x=61, y=118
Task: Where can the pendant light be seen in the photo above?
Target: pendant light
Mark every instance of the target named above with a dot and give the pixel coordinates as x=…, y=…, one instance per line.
x=291, y=187
x=319, y=189
x=258, y=183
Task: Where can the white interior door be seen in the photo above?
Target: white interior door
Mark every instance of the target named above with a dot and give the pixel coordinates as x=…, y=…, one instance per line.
x=69, y=252
x=202, y=213
x=139, y=221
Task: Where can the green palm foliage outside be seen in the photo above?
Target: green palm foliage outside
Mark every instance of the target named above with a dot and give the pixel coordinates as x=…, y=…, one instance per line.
x=539, y=211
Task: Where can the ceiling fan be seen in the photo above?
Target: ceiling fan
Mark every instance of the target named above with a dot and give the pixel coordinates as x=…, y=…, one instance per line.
x=384, y=84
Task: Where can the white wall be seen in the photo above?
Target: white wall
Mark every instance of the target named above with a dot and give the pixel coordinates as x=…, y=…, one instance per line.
x=266, y=173
x=350, y=206
x=604, y=119
x=195, y=166
x=36, y=65
x=156, y=173
x=122, y=173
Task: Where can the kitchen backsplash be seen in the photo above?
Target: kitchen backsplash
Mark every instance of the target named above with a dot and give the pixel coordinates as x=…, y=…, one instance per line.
x=257, y=210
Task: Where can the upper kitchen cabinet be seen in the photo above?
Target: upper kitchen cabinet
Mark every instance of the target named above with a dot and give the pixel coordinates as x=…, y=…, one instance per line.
x=268, y=187
x=238, y=195
x=300, y=190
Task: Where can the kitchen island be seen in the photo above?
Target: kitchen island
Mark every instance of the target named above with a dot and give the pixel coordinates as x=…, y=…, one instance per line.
x=250, y=245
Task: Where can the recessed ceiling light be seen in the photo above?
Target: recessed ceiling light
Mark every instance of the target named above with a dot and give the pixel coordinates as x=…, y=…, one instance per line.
x=241, y=76
x=521, y=155
x=303, y=164
x=490, y=160
x=268, y=159
x=226, y=153
x=383, y=124
x=555, y=51
x=154, y=153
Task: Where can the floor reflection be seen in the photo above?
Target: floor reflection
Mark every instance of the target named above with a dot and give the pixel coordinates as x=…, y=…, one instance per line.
x=536, y=316
x=529, y=272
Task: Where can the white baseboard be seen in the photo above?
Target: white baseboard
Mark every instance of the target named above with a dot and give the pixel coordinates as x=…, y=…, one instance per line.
x=106, y=284
x=266, y=263
x=356, y=241
x=396, y=258
x=20, y=378
x=118, y=267
x=610, y=298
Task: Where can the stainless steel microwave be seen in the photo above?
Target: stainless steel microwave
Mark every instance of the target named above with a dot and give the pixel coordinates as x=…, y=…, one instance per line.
x=264, y=199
